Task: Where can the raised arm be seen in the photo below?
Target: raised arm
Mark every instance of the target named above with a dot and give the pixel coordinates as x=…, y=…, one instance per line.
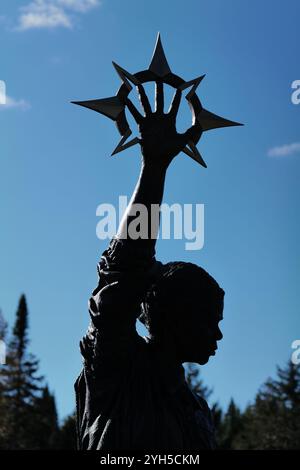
x=160, y=143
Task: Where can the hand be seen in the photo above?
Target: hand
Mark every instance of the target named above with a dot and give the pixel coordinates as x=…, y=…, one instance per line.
x=160, y=141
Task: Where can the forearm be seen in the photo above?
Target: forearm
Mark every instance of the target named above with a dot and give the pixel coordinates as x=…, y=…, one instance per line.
x=160, y=143
x=145, y=203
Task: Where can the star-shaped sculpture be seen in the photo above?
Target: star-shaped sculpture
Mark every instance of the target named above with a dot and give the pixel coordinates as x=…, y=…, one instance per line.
x=114, y=107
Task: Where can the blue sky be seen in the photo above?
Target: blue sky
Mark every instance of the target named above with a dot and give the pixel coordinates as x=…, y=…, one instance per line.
x=55, y=169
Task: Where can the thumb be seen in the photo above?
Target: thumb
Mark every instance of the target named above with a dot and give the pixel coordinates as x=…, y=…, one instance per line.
x=193, y=133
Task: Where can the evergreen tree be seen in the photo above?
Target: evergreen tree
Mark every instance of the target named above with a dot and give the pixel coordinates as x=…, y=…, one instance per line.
x=67, y=435
x=273, y=422
x=3, y=335
x=3, y=326
x=45, y=428
x=195, y=382
x=231, y=426
x=286, y=389
x=218, y=417
x=29, y=417
x=3, y=352
x=21, y=382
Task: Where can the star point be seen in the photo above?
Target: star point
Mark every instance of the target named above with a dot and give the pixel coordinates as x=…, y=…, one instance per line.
x=191, y=83
x=125, y=76
x=192, y=151
x=109, y=107
x=208, y=120
x=159, y=64
x=122, y=146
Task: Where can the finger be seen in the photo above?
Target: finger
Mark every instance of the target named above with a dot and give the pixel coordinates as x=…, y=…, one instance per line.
x=135, y=113
x=193, y=133
x=175, y=103
x=159, y=97
x=144, y=100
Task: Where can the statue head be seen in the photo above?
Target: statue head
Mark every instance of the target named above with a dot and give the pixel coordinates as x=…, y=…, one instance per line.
x=182, y=311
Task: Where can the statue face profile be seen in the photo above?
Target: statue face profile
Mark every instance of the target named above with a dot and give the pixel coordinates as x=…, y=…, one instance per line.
x=182, y=312
x=196, y=330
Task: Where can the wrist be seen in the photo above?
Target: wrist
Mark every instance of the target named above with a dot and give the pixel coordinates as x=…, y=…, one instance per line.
x=156, y=167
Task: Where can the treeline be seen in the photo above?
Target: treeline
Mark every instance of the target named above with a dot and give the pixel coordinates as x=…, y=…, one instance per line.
x=28, y=415
x=271, y=422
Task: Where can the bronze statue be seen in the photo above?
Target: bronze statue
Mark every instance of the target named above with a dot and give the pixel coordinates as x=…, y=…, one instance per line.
x=132, y=394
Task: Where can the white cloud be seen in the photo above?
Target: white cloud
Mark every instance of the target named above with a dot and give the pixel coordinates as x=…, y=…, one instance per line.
x=284, y=150
x=12, y=103
x=79, y=5
x=49, y=14
x=42, y=14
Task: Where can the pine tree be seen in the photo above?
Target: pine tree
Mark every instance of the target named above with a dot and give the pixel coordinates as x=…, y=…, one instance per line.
x=30, y=412
x=3, y=404
x=44, y=425
x=67, y=434
x=195, y=382
x=3, y=336
x=218, y=417
x=273, y=421
x=23, y=382
x=3, y=326
x=286, y=389
x=231, y=426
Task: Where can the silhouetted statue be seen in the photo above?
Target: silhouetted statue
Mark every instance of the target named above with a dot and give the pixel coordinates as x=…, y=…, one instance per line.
x=131, y=393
